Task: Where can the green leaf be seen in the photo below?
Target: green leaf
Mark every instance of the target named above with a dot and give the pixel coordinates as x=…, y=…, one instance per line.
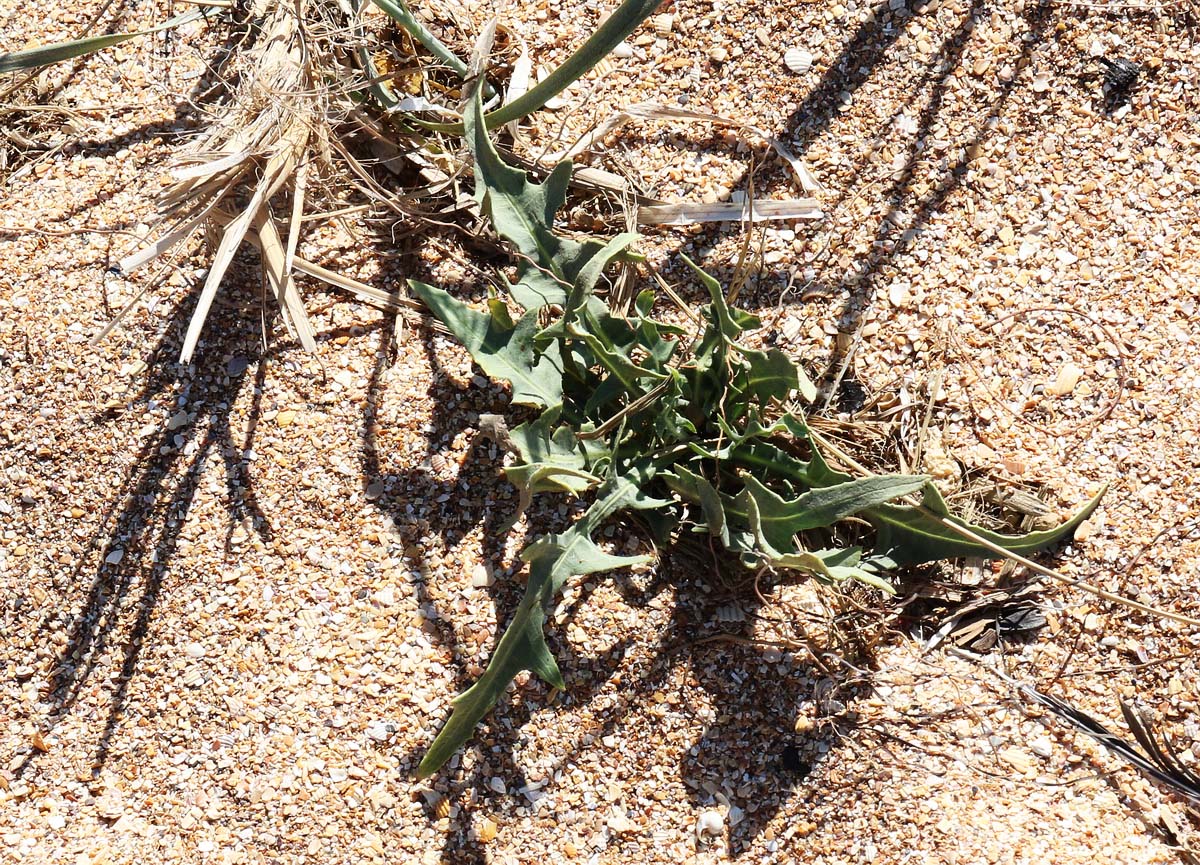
x=910, y=536
x=523, y=213
x=552, y=561
x=615, y=360
x=502, y=350
x=696, y=488
x=554, y=461
x=776, y=521
x=730, y=323
x=771, y=375
x=623, y=21
x=44, y=55
x=399, y=12
x=832, y=567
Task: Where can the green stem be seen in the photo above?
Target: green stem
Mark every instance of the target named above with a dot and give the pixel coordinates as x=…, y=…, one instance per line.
x=608, y=36
x=399, y=12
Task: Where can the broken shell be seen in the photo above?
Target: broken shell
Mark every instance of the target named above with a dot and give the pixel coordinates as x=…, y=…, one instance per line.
x=663, y=25
x=605, y=66
x=710, y=823
x=798, y=60
x=730, y=613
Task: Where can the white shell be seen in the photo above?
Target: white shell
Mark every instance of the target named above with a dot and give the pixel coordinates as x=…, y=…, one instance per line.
x=798, y=60
x=663, y=25
x=710, y=823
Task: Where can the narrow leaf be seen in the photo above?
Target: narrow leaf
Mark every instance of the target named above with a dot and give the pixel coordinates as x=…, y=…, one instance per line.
x=696, y=488
x=44, y=55
x=910, y=536
x=523, y=213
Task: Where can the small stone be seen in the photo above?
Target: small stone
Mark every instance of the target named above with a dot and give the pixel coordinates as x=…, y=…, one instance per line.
x=194, y=650
x=178, y=419
x=982, y=65
x=1085, y=530
x=1042, y=747
x=763, y=35
x=619, y=824
x=380, y=731
x=114, y=558
x=236, y=365
x=481, y=577
x=1092, y=622
x=56, y=821
x=898, y=294
x=719, y=54
x=497, y=785
x=1016, y=468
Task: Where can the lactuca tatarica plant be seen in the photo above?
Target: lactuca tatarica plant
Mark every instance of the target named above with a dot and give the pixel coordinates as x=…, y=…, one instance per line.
x=691, y=429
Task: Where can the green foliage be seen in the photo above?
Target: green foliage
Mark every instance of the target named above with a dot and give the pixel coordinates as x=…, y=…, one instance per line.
x=693, y=431
x=44, y=55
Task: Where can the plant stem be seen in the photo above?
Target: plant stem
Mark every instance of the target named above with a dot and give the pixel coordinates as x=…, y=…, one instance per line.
x=608, y=36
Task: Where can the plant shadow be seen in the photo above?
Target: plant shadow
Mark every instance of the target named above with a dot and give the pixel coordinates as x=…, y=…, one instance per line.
x=754, y=718
x=140, y=531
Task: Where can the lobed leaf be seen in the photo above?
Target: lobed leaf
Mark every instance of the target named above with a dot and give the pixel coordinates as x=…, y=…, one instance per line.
x=552, y=561
x=502, y=349
x=522, y=212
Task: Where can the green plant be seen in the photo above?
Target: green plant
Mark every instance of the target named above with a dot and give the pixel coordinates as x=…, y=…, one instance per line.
x=696, y=431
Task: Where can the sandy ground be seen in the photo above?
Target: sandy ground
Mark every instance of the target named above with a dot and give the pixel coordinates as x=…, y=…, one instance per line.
x=239, y=594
